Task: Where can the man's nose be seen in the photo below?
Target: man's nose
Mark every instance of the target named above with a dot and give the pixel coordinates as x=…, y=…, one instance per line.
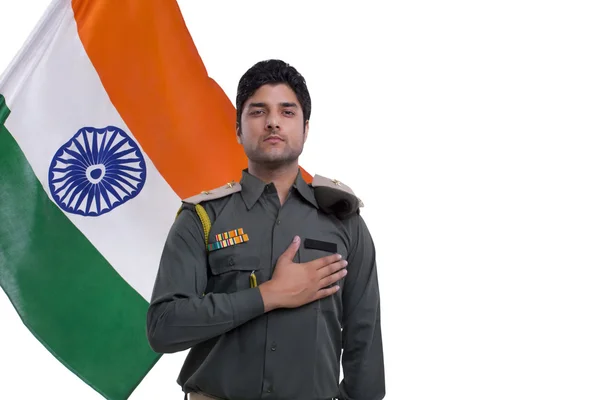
x=272, y=123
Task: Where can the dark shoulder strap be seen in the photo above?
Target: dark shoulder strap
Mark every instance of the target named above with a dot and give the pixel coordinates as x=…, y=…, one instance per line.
x=334, y=197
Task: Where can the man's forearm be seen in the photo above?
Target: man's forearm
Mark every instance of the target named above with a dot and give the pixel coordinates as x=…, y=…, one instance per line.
x=176, y=324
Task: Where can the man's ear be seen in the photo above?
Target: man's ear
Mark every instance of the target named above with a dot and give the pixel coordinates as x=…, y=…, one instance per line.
x=238, y=133
x=305, y=131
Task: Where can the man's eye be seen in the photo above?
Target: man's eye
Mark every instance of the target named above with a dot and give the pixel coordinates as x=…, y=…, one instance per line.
x=256, y=112
x=289, y=113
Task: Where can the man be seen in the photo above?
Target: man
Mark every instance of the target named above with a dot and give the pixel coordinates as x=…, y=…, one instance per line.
x=267, y=280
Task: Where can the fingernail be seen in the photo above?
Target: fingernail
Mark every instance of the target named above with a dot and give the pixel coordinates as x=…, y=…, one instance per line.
x=339, y=256
x=296, y=239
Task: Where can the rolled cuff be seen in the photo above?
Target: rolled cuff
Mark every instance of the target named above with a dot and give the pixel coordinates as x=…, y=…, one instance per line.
x=246, y=304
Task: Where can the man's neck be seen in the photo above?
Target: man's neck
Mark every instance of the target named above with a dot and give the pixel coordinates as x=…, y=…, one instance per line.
x=283, y=177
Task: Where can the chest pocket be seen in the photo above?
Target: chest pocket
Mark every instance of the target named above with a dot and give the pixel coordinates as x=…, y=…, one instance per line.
x=232, y=268
x=232, y=265
x=318, y=246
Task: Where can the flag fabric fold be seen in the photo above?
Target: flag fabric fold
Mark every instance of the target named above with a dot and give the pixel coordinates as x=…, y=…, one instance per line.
x=107, y=119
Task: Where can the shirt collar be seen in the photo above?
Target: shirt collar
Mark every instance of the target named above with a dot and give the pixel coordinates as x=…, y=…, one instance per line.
x=253, y=188
x=305, y=190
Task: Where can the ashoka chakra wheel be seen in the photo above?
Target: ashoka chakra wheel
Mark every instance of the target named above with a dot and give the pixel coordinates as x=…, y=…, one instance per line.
x=97, y=170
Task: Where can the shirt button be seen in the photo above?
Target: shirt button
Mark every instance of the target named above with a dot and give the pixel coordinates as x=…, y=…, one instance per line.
x=278, y=222
x=231, y=261
x=274, y=347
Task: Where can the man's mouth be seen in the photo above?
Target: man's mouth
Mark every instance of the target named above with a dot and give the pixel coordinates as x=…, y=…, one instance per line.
x=274, y=139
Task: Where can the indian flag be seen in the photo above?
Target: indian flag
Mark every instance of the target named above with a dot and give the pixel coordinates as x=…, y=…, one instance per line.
x=107, y=119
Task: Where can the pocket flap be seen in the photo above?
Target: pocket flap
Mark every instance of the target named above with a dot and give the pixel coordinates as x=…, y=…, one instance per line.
x=232, y=261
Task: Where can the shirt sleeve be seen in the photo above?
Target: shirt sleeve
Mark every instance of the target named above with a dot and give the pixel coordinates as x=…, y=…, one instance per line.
x=180, y=315
x=362, y=358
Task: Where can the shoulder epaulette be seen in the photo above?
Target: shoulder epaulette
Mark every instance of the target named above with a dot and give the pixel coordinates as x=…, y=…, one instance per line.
x=196, y=200
x=223, y=191
x=334, y=197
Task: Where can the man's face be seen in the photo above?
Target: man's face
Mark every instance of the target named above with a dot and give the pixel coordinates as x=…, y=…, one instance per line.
x=271, y=129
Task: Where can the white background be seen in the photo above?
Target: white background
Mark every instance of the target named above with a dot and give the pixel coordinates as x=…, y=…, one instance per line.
x=471, y=131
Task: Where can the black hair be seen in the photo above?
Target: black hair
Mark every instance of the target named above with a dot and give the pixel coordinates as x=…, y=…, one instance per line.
x=272, y=72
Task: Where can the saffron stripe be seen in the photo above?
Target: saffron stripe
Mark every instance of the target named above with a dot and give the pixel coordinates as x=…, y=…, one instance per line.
x=194, y=109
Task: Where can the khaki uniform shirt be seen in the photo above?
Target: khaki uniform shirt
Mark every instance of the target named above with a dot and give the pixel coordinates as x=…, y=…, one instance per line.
x=204, y=301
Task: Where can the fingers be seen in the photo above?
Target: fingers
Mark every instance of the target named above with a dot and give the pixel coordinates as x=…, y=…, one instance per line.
x=327, y=260
x=327, y=292
x=290, y=252
x=331, y=268
x=330, y=279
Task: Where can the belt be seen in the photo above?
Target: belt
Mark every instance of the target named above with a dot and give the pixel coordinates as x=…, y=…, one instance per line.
x=203, y=396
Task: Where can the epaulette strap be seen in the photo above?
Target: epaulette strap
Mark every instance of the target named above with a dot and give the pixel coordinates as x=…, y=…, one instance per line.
x=334, y=197
x=223, y=191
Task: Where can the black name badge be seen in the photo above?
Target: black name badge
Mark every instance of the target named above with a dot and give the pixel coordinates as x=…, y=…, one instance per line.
x=320, y=245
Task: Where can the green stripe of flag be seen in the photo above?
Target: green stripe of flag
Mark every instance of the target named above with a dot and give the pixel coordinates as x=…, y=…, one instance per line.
x=4, y=111
x=64, y=290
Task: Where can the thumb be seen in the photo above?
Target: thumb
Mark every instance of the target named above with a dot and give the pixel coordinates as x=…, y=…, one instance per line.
x=290, y=252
